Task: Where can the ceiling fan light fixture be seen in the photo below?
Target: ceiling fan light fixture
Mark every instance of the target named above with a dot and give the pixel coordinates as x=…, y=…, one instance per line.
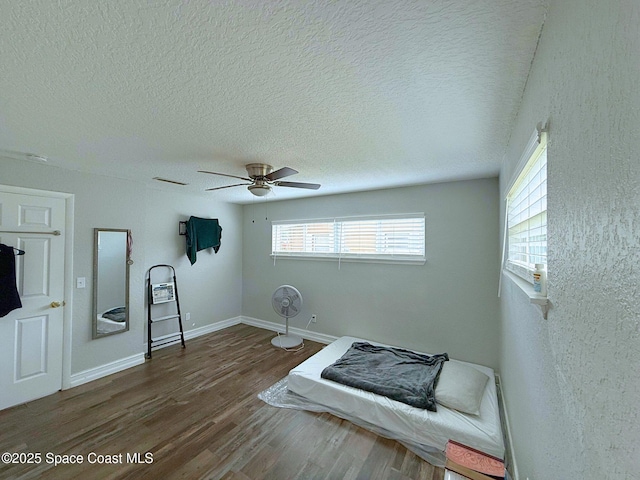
x=262, y=177
x=259, y=190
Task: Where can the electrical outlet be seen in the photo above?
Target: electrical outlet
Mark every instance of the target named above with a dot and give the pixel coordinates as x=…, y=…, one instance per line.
x=314, y=318
x=187, y=316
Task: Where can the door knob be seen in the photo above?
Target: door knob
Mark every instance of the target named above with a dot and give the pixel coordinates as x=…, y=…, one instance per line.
x=57, y=304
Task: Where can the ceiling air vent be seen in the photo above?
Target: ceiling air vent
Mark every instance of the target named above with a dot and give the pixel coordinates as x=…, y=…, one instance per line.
x=175, y=182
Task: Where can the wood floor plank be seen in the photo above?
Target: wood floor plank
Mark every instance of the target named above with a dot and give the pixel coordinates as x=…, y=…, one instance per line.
x=196, y=412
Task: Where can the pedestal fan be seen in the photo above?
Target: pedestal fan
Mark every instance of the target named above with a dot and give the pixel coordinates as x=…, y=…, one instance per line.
x=287, y=302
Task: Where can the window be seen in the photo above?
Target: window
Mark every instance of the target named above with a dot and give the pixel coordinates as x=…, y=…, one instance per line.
x=388, y=238
x=527, y=211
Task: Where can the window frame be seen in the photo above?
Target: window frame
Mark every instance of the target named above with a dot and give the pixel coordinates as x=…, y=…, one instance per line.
x=336, y=238
x=536, y=147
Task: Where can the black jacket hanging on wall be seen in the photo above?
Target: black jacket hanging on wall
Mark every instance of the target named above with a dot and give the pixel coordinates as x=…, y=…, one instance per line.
x=9, y=298
x=202, y=233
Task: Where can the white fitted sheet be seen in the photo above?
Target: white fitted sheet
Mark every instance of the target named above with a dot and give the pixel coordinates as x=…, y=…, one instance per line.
x=414, y=425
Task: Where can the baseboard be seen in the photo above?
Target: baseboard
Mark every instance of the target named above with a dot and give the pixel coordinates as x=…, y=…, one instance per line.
x=198, y=332
x=138, y=359
x=279, y=327
x=95, y=373
x=507, y=428
x=213, y=327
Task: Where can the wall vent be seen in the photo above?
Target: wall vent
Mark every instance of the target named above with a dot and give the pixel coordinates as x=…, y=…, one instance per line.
x=175, y=182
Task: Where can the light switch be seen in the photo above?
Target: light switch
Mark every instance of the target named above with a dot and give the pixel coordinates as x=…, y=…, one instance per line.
x=80, y=282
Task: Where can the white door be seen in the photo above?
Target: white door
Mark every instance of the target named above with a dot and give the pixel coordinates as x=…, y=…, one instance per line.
x=31, y=337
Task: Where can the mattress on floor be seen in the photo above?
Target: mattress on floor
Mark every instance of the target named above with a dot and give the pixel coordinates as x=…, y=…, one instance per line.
x=415, y=425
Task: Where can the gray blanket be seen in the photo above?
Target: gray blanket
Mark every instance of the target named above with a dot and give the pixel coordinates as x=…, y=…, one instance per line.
x=118, y=314
x=399, y=374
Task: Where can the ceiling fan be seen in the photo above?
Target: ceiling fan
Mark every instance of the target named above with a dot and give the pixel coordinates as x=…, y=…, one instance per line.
x=261, y=178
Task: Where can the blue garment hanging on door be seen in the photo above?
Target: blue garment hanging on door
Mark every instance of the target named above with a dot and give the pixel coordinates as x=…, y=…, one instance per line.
x=202, y=233
x=9, y=298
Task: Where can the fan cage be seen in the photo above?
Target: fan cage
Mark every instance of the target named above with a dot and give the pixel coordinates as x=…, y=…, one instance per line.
x=287, y=302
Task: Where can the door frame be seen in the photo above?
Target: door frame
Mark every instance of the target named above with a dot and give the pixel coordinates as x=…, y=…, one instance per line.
x=67, y=340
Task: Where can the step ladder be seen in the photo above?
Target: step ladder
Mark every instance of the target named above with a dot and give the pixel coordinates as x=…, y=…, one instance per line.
x=162, y=294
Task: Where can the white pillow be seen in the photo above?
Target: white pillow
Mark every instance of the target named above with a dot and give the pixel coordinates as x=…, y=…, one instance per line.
x=461, y=387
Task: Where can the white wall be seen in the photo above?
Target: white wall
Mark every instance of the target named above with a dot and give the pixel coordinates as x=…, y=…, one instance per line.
x=449, y=304
x=152, y=216
x=571, y=382
x=210, y=289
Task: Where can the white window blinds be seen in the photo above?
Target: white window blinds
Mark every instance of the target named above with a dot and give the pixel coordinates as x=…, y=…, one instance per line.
x=527, y=213
x=396, y=238
x=315, y=237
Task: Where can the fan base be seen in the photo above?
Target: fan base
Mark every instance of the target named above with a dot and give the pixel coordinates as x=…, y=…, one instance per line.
x=286, y=341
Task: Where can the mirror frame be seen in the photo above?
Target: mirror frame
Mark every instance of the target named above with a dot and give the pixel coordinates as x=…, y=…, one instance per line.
x=96, y=234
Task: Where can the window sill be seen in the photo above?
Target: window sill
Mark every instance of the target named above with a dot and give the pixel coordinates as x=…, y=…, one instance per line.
x=363, y=259
x=534, y=297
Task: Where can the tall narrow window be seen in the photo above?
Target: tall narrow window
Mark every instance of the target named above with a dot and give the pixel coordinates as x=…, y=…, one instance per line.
x=527, y=211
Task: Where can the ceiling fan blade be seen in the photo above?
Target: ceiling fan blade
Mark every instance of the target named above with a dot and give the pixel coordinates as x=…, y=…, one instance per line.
x=310, y=186
x=227, y=186
x=281, y=173
x=225, y=175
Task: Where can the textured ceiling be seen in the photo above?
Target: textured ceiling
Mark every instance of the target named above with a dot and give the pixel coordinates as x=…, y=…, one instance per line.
x=354, y=94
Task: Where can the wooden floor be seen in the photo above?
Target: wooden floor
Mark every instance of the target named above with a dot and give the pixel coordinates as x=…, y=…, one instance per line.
x=195, y=412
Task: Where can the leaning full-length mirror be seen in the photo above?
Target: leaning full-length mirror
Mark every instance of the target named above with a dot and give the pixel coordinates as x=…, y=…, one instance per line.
x=110, y=282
